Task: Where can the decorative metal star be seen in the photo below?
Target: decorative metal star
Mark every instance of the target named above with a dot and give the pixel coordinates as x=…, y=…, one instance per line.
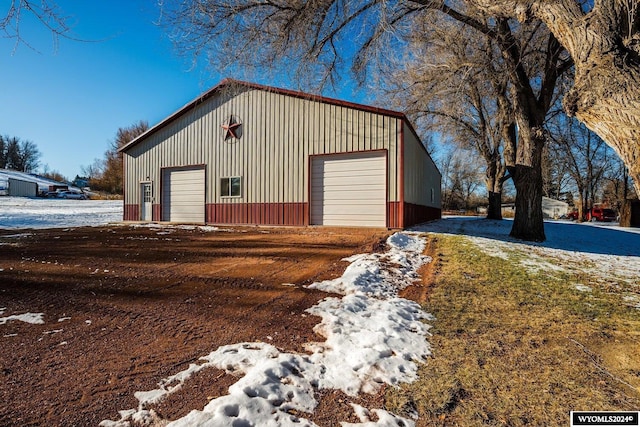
x=231, y=128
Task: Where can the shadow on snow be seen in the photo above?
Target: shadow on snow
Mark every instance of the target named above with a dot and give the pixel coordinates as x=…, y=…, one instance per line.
x=591, y=238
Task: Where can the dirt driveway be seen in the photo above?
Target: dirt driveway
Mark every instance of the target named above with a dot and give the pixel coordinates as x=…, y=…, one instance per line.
x=127, y=306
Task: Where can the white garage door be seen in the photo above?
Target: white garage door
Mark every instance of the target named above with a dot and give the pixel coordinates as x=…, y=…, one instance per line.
x=349, y=189
x=183, y=195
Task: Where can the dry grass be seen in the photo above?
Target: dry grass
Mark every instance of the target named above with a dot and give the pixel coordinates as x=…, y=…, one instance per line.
x=512, y=347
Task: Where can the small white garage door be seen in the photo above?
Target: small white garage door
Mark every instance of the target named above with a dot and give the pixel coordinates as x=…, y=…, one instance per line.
x=349, y=189
x=183, y=195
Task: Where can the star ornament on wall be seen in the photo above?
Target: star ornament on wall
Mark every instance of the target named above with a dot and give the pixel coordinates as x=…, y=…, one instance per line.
x=231, y=128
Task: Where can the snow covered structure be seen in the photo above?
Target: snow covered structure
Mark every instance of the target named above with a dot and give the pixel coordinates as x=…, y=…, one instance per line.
x=244, y=153
x=554, y=209
x=22, y=184
x=551, y=208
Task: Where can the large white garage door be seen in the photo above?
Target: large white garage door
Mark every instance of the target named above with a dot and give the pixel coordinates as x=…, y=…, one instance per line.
x=349, y=189
x=183, y=195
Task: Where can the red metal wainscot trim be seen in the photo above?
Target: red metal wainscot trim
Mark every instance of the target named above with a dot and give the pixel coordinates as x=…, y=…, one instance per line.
x=402, y=221
x=124, y=189
x=155, y=212
x=132, y=212
x=292, y=214
x=417, y=214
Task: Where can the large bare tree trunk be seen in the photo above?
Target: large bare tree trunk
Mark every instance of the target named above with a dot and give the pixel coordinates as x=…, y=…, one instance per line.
x=494, y=182
x=528, y=223
x=615, y=117
x=605, y=47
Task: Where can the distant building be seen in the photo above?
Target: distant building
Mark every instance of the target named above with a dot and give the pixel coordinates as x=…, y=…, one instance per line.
x=43, y=185
x=554, y=209
x=244, y=153
x=22, y=188
x=551, y=208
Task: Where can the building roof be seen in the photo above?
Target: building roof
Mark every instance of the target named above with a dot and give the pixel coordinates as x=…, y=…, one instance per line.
x=226, y=83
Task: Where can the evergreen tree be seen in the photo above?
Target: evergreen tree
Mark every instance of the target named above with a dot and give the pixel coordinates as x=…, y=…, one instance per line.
x=3, y=153
x=13, y=154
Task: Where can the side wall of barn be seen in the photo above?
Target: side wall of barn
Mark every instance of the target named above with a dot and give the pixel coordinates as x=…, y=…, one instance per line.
x=422, y=181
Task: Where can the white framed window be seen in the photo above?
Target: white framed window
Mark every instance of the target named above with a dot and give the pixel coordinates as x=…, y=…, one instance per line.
x=231, y=186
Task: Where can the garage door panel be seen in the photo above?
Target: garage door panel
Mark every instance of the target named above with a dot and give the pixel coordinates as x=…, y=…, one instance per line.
x=365, y=181
x=349, y=189
x=339, y=222
x=338, y=211
x=183, y=195
x=353, y=198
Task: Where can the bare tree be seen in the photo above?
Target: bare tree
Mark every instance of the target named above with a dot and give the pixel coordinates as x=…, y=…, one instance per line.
x=461, y=177
x=45, y=11
x=557, y=182
x=616, y=188
x=52, y=174
x=106, y=175
x=584, y=157
x=603, y=38
x=450, y=82
x=20, y=155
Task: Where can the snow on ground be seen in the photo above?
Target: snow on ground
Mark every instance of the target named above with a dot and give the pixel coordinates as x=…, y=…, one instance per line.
x=24, y=212
x=373, y=337
x=33, y=318
x=607, y=253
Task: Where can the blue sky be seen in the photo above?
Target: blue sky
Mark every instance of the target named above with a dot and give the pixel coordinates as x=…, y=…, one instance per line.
x=71, y=98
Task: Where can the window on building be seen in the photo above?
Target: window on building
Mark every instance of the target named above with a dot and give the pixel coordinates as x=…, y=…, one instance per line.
x=230, y=187
x=433, y=195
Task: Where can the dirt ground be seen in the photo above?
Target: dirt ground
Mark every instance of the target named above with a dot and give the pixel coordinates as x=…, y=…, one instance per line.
x=126, y=306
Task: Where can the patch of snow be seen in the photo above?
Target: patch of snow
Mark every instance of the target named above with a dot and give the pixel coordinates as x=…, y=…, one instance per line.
x=380, y=274
x=583, y=288
x=22, y=212
x=16, y=236
x=634, y=300
x=208, y=228
x=373, y=337
x=385, y=419
x=62, y=319
x=490, y=247
x=33, y=318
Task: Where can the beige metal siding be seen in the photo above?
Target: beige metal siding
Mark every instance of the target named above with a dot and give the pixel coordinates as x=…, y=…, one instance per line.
x=349, y=190
x=421, y=176
x=279, y=133
x=183, y=195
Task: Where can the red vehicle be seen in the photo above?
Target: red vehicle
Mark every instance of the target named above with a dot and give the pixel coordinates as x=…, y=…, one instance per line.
x=601, y=214
x=572, y=215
